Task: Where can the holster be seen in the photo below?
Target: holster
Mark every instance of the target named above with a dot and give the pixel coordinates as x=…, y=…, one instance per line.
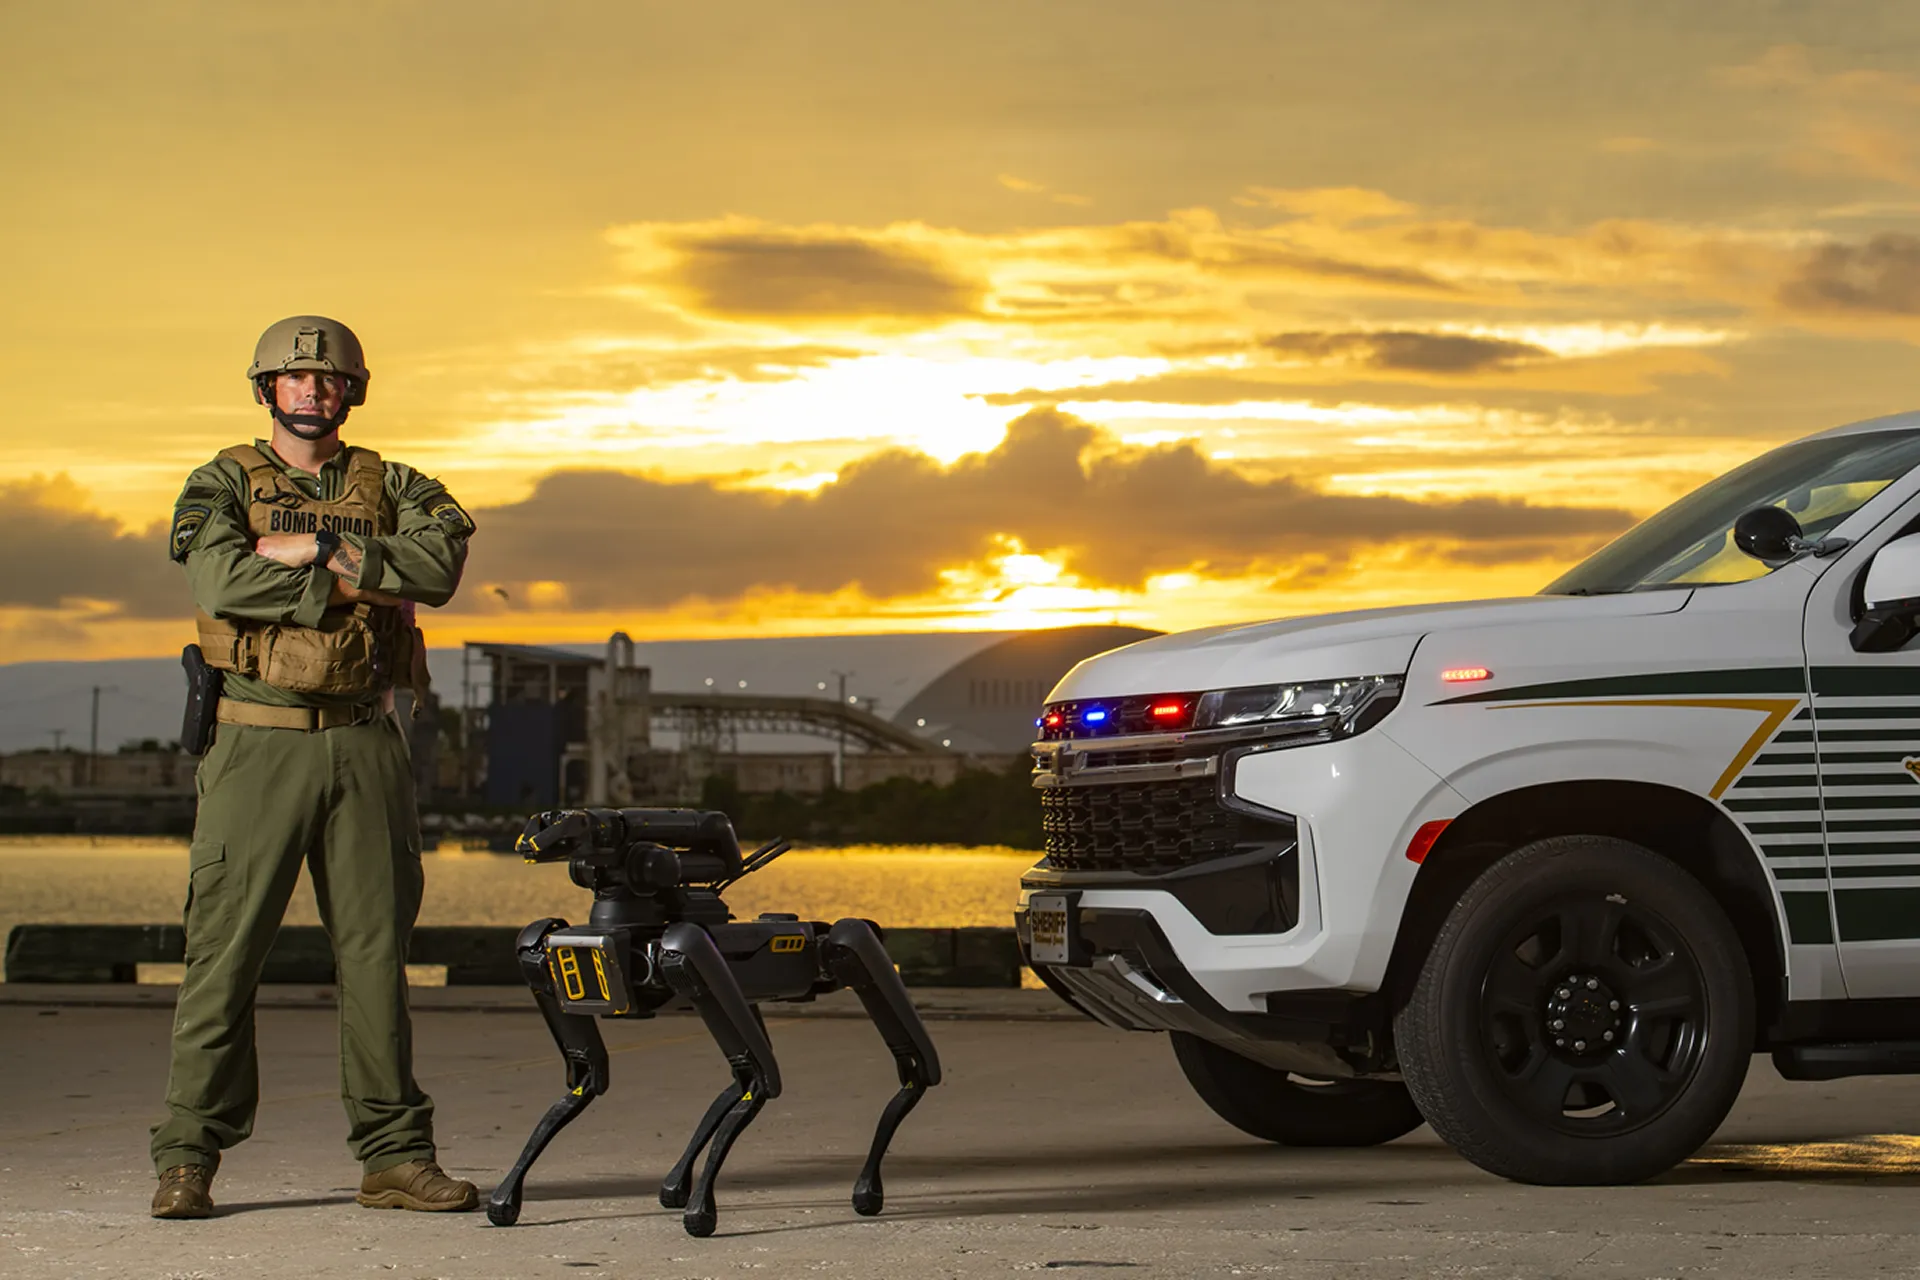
x=203, y=701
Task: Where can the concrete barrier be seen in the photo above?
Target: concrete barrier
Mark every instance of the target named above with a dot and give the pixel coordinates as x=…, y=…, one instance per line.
x=474, y=955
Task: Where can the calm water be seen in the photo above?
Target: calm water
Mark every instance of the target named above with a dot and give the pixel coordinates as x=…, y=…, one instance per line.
x=106, y=880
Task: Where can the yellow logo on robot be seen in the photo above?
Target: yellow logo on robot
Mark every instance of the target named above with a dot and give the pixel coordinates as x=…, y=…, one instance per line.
x=788, y=942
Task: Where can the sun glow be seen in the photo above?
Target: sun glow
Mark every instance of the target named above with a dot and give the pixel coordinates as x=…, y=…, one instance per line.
x=813, y=483
x=1016, y=589
x=933, y=401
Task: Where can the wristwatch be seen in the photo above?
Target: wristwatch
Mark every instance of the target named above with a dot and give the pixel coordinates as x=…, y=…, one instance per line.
x=329, y=542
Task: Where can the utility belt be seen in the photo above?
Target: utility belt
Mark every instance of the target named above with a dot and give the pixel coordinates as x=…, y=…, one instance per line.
x=305, y=719
x=207, y=705
x=354, y=651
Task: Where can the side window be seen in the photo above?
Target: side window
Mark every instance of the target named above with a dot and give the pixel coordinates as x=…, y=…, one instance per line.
x=1857, y=589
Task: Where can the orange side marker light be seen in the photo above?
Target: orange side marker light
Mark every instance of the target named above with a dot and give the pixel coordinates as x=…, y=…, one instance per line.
x=1459, y=675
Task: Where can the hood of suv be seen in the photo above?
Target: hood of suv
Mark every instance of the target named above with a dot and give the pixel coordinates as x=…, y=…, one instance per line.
x=1327, y=647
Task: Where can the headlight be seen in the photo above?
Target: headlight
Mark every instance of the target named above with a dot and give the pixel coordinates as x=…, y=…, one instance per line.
x=1336, y=706
x=1319, y=709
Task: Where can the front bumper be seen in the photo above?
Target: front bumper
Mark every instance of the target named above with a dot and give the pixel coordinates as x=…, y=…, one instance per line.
x=1123, y=972
x=1348, y=808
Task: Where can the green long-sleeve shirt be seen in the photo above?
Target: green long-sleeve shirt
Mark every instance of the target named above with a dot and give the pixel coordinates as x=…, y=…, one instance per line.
x=420, y=561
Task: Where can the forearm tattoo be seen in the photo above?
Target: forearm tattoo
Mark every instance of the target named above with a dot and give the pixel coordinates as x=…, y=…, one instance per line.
x=345, y=562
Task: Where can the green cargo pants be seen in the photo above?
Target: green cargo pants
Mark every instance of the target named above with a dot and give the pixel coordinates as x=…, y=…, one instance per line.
x=340, y=799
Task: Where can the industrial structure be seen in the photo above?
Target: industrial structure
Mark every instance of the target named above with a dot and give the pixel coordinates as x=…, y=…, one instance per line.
x=566, y=727
x=542, y=725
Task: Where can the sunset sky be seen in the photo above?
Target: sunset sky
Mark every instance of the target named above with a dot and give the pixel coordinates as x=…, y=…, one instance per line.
x=777, y=318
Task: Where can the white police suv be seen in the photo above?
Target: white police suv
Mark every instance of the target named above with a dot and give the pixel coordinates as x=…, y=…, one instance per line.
x=1544, y=872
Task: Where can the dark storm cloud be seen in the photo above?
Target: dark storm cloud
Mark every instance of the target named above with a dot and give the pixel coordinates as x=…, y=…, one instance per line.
x=1406, y=350
x=1880, y=277
x=57, y=554
x=797, y=275
x=893, y=521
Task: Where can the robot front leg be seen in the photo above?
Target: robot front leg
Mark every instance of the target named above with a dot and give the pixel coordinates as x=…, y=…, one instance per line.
x=677, y=1186
x=581, y=1048
x=693, y=966
x=855, y=958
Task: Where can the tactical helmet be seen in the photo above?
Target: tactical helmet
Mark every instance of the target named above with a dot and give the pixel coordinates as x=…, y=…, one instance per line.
x=310, y=342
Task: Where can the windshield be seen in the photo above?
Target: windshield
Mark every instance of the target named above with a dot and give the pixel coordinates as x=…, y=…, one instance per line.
x=1820, y=482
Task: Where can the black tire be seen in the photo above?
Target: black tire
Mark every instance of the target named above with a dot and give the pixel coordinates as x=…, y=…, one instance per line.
x=1649, y=985
x=1296, y=1111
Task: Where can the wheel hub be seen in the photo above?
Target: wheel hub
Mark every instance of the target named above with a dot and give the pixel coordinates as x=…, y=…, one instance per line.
x=1583, y=1014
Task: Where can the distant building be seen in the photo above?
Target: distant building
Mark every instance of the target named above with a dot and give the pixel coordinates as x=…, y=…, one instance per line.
x=43, y=770
x=123, y=772
x=989, y=702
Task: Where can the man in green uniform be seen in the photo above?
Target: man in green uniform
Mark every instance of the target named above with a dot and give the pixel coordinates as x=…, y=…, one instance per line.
x=306, y=558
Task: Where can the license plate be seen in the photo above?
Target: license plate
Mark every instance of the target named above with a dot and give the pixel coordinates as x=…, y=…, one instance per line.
x=1048, y=928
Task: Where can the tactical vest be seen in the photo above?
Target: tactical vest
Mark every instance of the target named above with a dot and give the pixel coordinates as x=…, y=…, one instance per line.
x=359, y=648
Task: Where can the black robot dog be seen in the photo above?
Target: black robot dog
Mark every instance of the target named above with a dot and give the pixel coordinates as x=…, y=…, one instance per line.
x=658, y=934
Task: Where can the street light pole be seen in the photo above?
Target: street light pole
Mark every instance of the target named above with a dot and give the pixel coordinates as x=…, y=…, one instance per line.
x=93, y=741
x=840, y=752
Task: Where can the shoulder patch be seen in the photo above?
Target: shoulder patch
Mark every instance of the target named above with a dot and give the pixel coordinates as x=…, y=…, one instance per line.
x=443, y=508
x=188, y=519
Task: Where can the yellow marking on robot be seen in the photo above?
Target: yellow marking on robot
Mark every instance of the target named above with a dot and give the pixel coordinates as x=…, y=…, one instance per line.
x=600, y=972
x=571, y=981
x=789, y=942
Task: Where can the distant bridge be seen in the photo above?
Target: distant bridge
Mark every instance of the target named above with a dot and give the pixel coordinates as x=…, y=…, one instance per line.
x=713, y=718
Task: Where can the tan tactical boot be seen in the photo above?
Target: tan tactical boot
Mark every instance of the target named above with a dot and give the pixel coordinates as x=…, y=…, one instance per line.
x=185, y=1192
x=418, y=1184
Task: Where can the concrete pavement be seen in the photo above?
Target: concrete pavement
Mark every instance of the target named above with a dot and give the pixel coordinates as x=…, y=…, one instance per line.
x=1053, y=1146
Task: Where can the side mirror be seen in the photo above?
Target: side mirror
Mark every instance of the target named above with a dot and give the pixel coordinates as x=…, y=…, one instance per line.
x=1767, y=533
x=1892, y=597
x=1893, y=579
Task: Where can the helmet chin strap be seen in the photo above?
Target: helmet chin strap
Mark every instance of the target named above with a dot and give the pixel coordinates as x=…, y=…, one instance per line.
x=310, y=426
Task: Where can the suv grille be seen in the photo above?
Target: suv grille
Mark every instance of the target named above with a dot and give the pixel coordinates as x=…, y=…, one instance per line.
x=1147, y=827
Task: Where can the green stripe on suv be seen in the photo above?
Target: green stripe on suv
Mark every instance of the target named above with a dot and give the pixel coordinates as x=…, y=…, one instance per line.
x=1734, y=681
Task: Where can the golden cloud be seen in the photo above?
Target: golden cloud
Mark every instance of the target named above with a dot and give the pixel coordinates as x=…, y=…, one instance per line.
x=1197, y=267
x=1859, y=121
x=1401, y=350
x=742, y=269
x=891, y=524
x=1879, y=277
